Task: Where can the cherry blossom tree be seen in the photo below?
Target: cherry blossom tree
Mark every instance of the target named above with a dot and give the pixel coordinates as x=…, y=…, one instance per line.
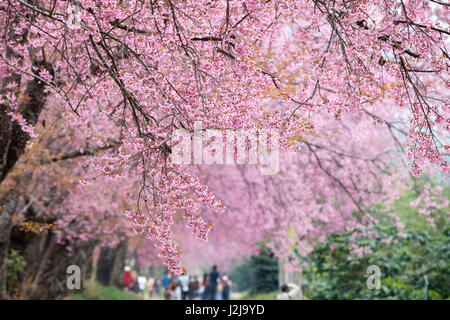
x=342, y=82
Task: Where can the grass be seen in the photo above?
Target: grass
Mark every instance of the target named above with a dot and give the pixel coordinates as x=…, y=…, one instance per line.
x=94, y=291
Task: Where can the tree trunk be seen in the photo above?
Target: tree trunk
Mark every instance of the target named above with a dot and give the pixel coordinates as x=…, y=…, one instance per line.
x=105, y=265
x=119, y=265
x=12, y=138
x=110, y=265
x=47, y=262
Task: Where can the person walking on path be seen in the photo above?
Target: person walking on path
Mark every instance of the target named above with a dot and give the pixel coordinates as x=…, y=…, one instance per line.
x=176, y=289
x=126, y=277
x=213, y=277
x=168, y=291
x=193, y=288
x=157, y=288
x=184, y=284
x=142, y=283
x=134, y=286
x=150, y=286
x=226, y=288
x=205, y=287
x=165, y=279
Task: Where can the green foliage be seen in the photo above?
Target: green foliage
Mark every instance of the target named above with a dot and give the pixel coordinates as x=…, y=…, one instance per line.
x=242, y=275
x=395, y=290
x=265, y=270
x=259, y=274
x=334, y=272
x=15, y=264
x=94, y=291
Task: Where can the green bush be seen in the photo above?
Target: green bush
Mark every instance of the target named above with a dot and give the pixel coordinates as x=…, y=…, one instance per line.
x=392, y=289
x=334, y=272
x=265, y=267
x=242, y=276
x=259, y=274
x=15, y=265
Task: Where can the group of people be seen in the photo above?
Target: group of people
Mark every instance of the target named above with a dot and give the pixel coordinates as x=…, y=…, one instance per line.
x=140, y=284
x=212, y=287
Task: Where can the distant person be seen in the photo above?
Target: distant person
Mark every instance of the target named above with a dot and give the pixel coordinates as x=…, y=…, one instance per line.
x=176, y=289
x=184, y=285
x=150, y=286
x=226, y=288
x=157, y=288
x=142, y=283
x=168, y=291
x=165, y=279
x=126, y=277
x=213, y=277
x=205, y=287
x=194, y=286
x=289, y=291
x=134, y=286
